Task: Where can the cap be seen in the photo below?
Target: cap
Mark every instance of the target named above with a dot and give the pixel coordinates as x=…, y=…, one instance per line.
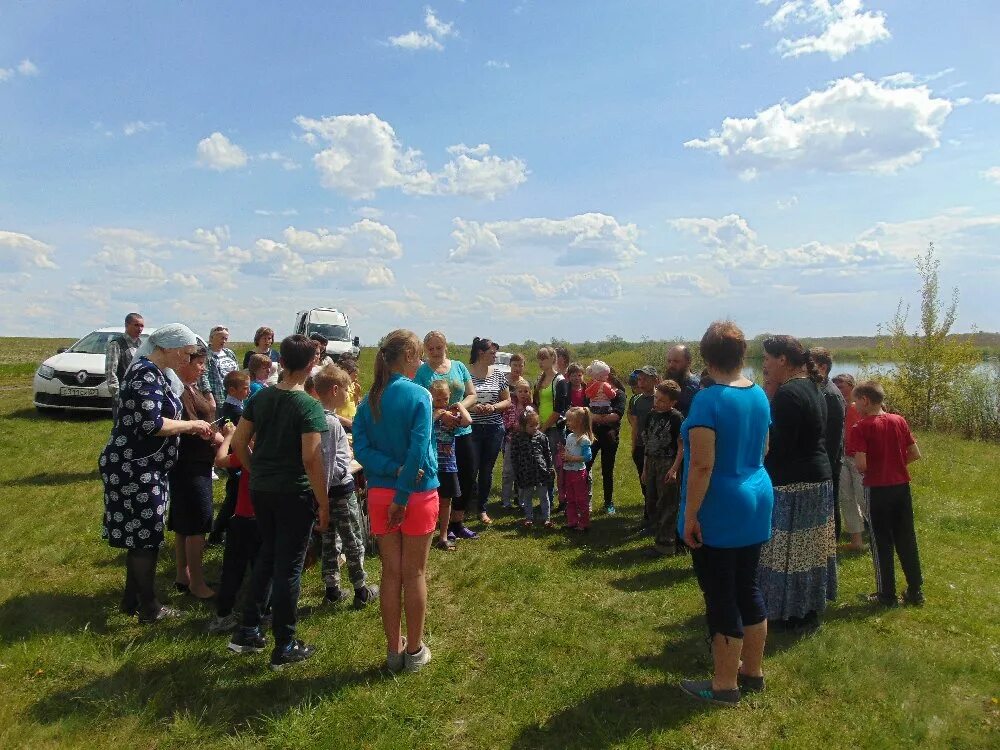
x=648, y=370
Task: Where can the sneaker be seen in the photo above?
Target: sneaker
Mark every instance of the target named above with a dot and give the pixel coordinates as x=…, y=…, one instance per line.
x=749, y=684
x=464, y=532
x=341, y=560
x=914, y=597
x=395, y=662
x=215, y=477
x=247, y=641
x=416, y=662
x=445, y=545
x=293, y=653
x=882, y=601
x=163, y=613
x=365, y=596
x=451, y=537
x=528, y=524
x=266, y=620
x=549, y=525
x=702, y=690
x=226, y=624
x=334, y=595
x=610, y=509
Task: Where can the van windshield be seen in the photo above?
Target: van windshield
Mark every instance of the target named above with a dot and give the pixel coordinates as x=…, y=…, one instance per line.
x=97, y=342
x=329, y=323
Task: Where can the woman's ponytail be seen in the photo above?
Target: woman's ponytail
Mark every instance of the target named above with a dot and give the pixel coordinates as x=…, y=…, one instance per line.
x=392, y=349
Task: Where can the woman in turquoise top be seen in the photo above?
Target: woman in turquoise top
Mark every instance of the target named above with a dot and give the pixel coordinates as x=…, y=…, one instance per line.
x=393, y=441
x=439, y=367
x=725, y=513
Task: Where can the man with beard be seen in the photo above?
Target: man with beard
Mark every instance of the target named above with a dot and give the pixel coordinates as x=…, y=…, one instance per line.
x=679, y=370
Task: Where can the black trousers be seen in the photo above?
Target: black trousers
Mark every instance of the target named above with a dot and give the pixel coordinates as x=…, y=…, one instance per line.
x=891, y=517
x=606, y=446
x=228, y=506
x=239, y=555
x=639, y=459
x=728, y=581
x=285, y=521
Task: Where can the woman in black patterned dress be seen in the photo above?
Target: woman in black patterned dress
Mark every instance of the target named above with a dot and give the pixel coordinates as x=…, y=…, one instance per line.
x=134, y=464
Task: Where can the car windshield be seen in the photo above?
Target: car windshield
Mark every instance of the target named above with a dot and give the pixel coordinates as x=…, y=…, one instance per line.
x=331, y=331
x=96, y=342
x=328, y=323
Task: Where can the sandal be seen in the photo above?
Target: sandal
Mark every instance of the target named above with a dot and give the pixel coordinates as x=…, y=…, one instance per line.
x=444, y=545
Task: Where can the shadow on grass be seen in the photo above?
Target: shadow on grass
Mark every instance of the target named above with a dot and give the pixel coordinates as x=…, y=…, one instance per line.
x=30, y=615
x=55, y=479
x=164, y=690
x=613, y=715
x=31, y=414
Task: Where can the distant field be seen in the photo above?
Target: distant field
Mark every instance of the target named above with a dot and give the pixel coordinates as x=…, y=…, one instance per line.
x=539, y=640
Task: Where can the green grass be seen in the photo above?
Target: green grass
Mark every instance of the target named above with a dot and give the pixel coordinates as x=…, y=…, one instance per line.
x=539, y=641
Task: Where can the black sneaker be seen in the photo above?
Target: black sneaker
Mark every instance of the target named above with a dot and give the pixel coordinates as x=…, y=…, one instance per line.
x=749, y=683
x=293, y=653
x=247, y=641
x=334, y=595
x=364, y=596
x=914, y=597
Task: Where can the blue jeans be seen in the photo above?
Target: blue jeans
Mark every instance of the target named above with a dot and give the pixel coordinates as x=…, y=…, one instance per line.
x=487, y=440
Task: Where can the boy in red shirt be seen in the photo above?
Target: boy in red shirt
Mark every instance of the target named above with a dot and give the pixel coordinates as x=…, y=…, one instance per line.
x=242, y=539
x=883, y=447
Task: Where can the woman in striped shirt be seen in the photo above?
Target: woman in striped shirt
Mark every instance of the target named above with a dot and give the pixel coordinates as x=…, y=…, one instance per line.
x=492, y=398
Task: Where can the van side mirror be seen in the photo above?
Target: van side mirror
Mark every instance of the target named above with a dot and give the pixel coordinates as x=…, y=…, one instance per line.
x=357, y=341
x=62, y=349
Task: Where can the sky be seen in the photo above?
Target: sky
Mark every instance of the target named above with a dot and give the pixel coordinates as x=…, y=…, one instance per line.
x=516, y=170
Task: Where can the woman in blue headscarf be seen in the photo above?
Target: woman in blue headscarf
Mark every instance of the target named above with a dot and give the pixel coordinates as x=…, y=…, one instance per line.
x=140, y=452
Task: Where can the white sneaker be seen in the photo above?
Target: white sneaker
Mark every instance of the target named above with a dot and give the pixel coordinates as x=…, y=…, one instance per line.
x=223, y=624
x=394, y=662
x=416, y=662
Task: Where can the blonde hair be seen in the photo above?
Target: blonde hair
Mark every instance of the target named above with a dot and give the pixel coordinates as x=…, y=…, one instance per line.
x=584, y=414
x=257, y=363
x=440, y=385
x=330, y=376
x=431, y=335
x=391, y=351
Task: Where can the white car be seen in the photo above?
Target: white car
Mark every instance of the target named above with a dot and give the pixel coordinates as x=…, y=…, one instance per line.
x=74, y=377
x=502, y=363
x=332, y=324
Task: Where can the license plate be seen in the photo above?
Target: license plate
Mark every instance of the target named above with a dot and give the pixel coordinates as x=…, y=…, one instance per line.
x=77, y=391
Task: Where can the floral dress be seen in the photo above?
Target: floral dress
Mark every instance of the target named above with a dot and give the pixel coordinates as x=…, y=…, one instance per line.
x=135, y=462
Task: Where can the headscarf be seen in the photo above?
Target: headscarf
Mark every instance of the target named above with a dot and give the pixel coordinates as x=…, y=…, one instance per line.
x=170, y=336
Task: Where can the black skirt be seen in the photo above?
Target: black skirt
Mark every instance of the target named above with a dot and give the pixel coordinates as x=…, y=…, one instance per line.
x=449, y=485
x=190, y=501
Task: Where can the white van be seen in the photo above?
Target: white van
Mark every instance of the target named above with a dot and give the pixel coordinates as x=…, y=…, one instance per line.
x=332, y=324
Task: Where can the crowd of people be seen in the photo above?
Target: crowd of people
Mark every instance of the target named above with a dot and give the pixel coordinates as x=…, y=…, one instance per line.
x=750, y=481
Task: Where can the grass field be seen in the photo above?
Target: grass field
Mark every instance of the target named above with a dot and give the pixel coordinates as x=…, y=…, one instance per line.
x=539, y=640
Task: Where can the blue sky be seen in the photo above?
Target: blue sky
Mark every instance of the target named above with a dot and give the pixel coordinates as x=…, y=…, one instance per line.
x=510, y=169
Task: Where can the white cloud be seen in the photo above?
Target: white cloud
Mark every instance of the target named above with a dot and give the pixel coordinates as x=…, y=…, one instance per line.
x=991, y=99
x=363, y=239
x=139, y=126
x=784, y=205
x=431, y=39
x=992, y=174
x=841, y=27
x=279, y=262
x=363, y=155
x=369, y=212
x=286, y=162
x=906, y=78
x=219, y=153
x=601, y=283
x=686, y=284
x=269, y=212
x=21, y=251
x=25, y=68
x=855, y=125
x=585, y=239
x=733, y=245
x=498, y=64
